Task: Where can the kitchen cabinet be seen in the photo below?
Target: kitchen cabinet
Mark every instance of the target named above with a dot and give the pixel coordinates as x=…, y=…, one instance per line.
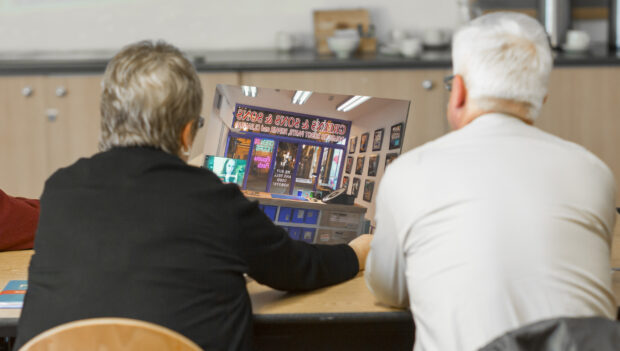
x=424, y=88
x=48, y=122
x=583, y=107
x=22, y=135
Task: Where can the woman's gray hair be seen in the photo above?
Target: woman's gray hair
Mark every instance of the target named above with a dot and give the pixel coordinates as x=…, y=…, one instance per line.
x=150, y=92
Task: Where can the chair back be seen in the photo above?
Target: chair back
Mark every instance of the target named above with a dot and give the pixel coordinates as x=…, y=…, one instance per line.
x=108, y=334
x=561, y=334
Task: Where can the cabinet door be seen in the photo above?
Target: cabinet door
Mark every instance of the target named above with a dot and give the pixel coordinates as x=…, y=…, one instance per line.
x=209, y=82
x=583, y=107
x=22, y=136
x=426, y=120
x=74, y=133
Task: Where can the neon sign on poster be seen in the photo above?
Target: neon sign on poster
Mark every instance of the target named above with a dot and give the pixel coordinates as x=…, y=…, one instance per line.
x=260, y=165
x=289, y=124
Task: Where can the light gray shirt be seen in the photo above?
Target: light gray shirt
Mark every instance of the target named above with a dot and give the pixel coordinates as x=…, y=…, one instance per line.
x=492, y=227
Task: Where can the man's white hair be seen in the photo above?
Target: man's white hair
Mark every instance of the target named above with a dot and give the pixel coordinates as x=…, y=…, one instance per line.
x=504, y=56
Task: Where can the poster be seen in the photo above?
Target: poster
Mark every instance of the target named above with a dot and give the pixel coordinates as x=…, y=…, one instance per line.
x=349, y=165
x=260, y=163
x=283, y=168
x=396, y=136
x=345, y=183
x=288, y=124
x=359, y=166
x=352, y=144
x=364, y=142
x=390, y=157
x=377, y=140
x=355, y=187
x=369, y=188
x=373, y=164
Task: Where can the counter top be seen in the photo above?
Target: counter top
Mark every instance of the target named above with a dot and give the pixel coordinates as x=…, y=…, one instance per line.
x=350, y=300
x=271, y=60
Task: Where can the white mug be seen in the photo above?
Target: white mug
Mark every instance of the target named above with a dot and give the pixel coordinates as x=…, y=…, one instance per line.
x=435, y=37
x=577, y=39
x=411, y=47
x=397, y=35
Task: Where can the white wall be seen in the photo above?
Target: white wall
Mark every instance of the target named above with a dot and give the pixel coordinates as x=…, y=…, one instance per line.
x=74, y=25
x=386, y=117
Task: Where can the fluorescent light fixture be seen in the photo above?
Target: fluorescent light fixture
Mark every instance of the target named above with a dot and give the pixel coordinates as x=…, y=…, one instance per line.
x=301, y=96
x=352, y=103
x=249, y=90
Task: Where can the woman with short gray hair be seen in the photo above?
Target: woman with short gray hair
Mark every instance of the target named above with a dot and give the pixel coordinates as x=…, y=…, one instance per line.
x=136, y=232
x=151, y=97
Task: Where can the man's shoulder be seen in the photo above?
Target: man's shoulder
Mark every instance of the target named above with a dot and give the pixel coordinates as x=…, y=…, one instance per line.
x=416, y=156
x=577, y=152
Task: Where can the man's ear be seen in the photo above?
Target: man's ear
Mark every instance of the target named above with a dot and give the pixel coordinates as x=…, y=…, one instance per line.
x=459, y=91
x=457, y=102
x=545, y=99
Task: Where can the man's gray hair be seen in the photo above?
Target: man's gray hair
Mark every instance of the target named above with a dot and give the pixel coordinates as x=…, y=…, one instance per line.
x=504, y=57
x=150, y=92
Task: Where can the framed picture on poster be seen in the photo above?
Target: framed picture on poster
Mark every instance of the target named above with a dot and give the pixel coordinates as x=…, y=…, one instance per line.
x=396, y=136
x=390, y=157
x=352, y=144
x=369, y=188
x=373, y=164
x=364, y=142
x=359, y=166
x=377, y=139
x=355, y=186
x=345, y=184
x=349, y=166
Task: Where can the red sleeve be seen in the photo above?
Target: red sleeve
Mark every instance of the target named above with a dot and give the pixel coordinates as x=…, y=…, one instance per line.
x=18, y=222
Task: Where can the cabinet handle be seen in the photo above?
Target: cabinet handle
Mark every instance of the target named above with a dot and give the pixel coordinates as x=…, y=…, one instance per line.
x=428, y=84
x=27, y=91
x=61, y=91
x=52, y=114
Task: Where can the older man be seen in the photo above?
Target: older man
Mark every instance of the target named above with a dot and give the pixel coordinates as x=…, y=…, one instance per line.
x=497, y=224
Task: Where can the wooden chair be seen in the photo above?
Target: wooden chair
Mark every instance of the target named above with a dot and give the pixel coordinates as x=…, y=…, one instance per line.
x=110, y=334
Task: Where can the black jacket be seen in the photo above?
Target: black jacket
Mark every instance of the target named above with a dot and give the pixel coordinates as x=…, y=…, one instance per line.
x=137, y=233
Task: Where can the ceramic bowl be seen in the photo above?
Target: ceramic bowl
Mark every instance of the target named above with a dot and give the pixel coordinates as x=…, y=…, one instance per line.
x=343, y=47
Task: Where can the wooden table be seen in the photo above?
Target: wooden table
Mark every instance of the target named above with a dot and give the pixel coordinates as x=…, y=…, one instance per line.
x=339, y=317
x=13, y=266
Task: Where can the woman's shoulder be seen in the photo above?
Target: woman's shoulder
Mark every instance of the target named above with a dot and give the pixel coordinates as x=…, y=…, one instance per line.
x=132, y=165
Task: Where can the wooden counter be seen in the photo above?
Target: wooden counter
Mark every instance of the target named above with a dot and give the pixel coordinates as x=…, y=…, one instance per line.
x=343, y=316
x=13, y=266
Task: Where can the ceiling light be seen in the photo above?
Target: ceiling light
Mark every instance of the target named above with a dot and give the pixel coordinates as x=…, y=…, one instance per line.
x=301, y=96
x=352, y=103
x=249, y=90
